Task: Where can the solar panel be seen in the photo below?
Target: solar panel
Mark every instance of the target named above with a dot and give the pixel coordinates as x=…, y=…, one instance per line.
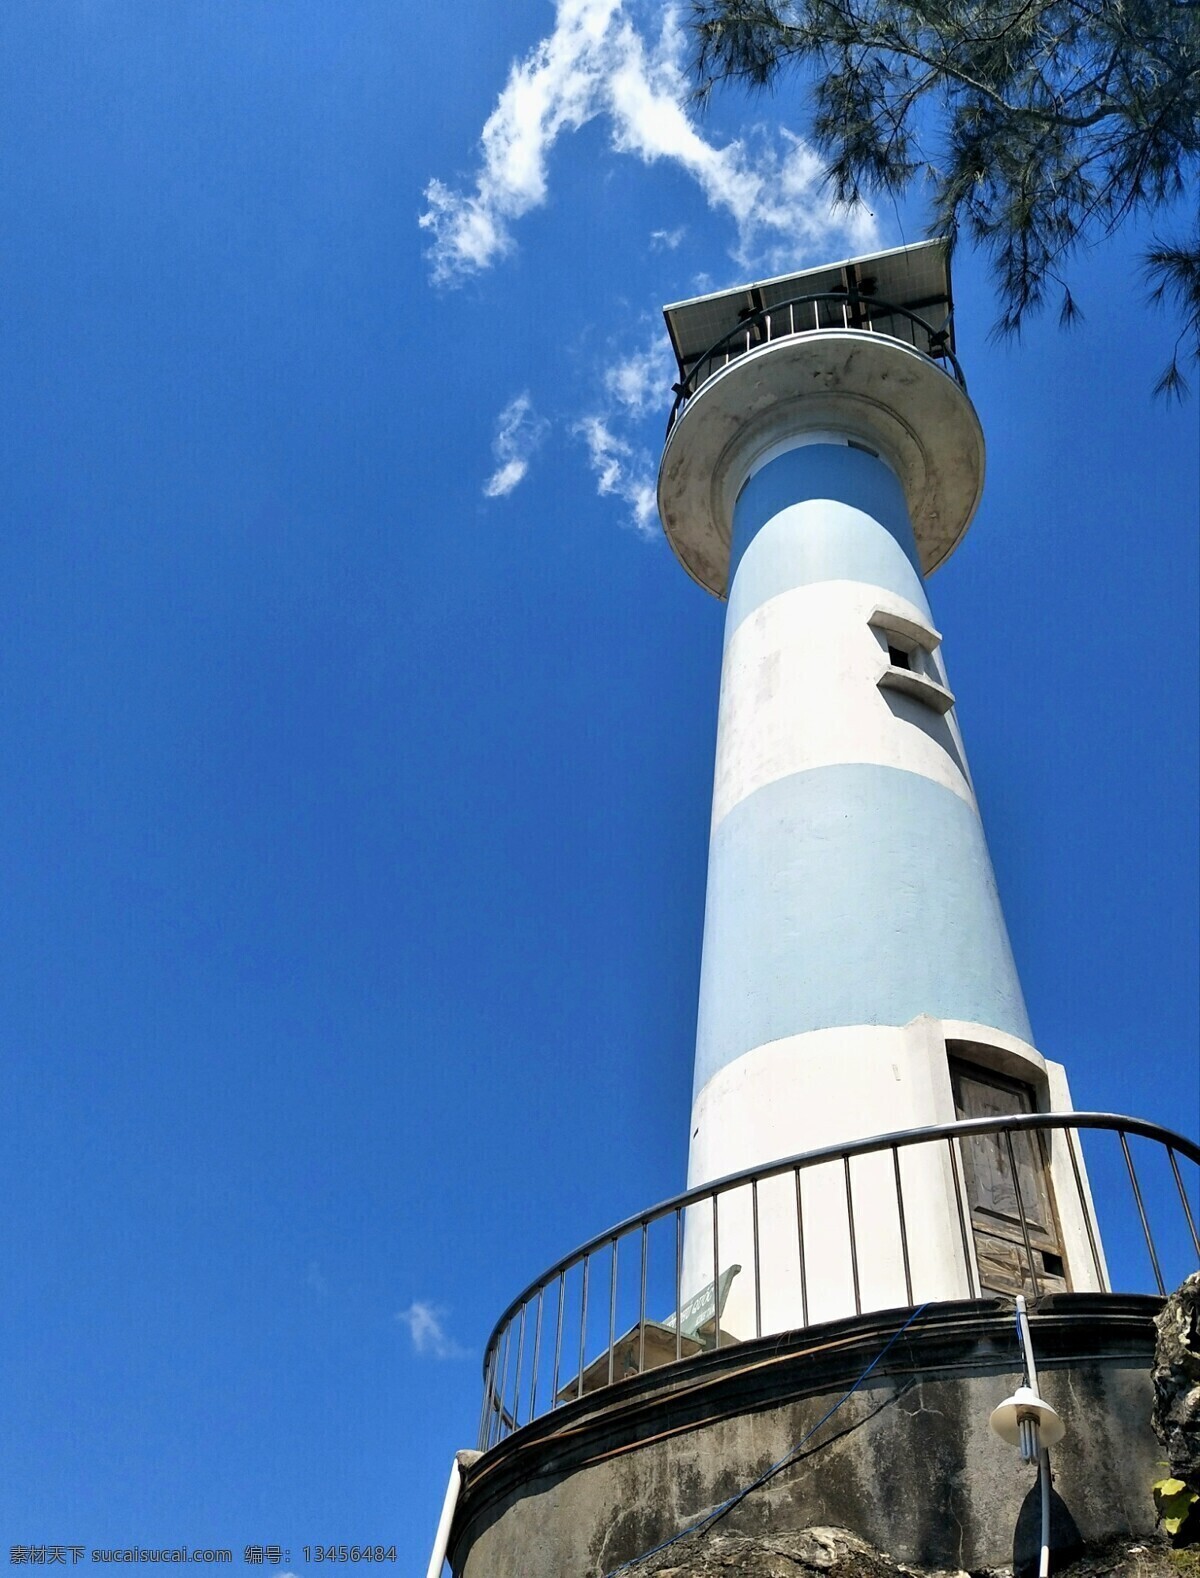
x=916, y=278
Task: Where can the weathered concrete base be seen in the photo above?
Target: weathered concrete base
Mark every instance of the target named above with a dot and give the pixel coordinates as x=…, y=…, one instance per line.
x=908, y=1462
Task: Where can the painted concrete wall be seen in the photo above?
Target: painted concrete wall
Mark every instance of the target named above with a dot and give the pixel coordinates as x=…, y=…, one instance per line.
x=852, y=911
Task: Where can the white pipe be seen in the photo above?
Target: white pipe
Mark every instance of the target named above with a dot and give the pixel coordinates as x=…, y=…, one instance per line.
x=442, y=1538
x=1043, y=1455
x=1027, y=1341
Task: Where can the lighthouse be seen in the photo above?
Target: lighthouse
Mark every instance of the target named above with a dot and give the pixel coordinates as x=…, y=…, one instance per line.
x=882, y=1164
x=823, y=459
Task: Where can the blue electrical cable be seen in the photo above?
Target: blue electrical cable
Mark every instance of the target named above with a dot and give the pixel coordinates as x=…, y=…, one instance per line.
x=716, y=1513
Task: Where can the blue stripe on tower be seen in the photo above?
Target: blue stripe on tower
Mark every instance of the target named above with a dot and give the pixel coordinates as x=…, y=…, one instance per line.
x=846, y=896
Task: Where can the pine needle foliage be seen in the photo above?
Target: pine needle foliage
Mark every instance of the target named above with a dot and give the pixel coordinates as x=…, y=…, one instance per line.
x=1040, y=125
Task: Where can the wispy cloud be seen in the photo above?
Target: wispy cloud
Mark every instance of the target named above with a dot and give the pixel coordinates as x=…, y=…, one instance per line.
x=519, y=431
x=316, y=1281
x=639, y=382
x=667, y=240
x=595, y=63
x=555, y=89
x=623, y=470
x=429, y=1335
x=636, y=385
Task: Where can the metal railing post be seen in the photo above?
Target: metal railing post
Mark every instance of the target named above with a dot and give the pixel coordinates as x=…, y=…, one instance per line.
x=853, y=1241
x=562, y=1295
x=716, y=1274
x=903, y=1228
x=582, y=1326
x=503, y=1385
x=642, y=1302
x=1072, y=1140
x=537, y=1353
x=1012, y=1162
x=962, y=1221
x=800, y=1245
x=516, y=1409
x=1187, y=1210
x=1137, y=1195
x=757, y=1264
x=612, y=1309
x=678, y=1281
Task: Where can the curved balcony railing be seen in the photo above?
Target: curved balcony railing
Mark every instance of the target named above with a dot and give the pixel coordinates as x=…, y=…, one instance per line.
x=1000, y=1205
x=810, y=314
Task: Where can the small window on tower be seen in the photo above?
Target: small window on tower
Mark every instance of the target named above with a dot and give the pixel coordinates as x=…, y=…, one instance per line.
x=910, y=646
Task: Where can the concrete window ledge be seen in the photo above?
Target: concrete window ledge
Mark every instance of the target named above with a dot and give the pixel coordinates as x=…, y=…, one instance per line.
x=911, y=631
x=918, y=685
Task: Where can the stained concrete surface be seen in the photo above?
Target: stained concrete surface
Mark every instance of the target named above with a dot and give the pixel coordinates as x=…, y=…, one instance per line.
x=908, y=1462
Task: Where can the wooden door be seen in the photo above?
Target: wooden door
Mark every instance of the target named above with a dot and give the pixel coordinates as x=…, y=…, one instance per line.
x=998, y=1199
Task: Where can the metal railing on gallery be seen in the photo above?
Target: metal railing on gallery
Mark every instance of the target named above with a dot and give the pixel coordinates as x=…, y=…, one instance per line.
x=820, y=312
x=562, y=1336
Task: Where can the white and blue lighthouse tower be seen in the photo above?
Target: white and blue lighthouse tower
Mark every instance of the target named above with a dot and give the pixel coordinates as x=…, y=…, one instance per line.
x=882, y=1161
x=823, y=460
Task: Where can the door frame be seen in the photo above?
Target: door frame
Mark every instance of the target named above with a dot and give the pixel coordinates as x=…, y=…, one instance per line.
x=1032, y=1241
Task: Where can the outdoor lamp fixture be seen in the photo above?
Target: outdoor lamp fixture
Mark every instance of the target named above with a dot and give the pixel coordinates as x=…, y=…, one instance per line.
x=1025, y=1421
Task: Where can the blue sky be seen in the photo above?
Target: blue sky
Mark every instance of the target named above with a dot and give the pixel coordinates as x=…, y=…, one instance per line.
x=358, y=724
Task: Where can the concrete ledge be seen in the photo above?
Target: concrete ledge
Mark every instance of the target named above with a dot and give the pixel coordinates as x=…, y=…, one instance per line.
x=918, y=685
x=878, y=390
x=908, y=1462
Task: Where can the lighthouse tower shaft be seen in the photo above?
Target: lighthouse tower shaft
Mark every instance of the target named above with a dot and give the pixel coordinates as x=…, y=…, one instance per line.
x=857, y=977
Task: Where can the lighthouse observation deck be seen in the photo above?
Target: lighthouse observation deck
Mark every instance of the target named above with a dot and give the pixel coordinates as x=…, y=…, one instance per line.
x=865, y=347
x=903, y=294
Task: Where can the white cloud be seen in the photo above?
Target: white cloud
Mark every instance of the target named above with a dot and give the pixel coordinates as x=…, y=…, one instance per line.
x=596, y=62
x=637, y=387
x=640, y=382
x=667, y=240
x=554, y=89
x=622, y=471
x=429, y=1336
x=518, y=434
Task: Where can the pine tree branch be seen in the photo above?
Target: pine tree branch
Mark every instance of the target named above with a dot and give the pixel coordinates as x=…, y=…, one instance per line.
x=1061, y=117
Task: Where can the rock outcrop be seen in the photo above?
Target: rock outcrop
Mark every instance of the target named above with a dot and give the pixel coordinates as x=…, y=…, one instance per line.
x=1176, y=1377
x=819, y=1553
